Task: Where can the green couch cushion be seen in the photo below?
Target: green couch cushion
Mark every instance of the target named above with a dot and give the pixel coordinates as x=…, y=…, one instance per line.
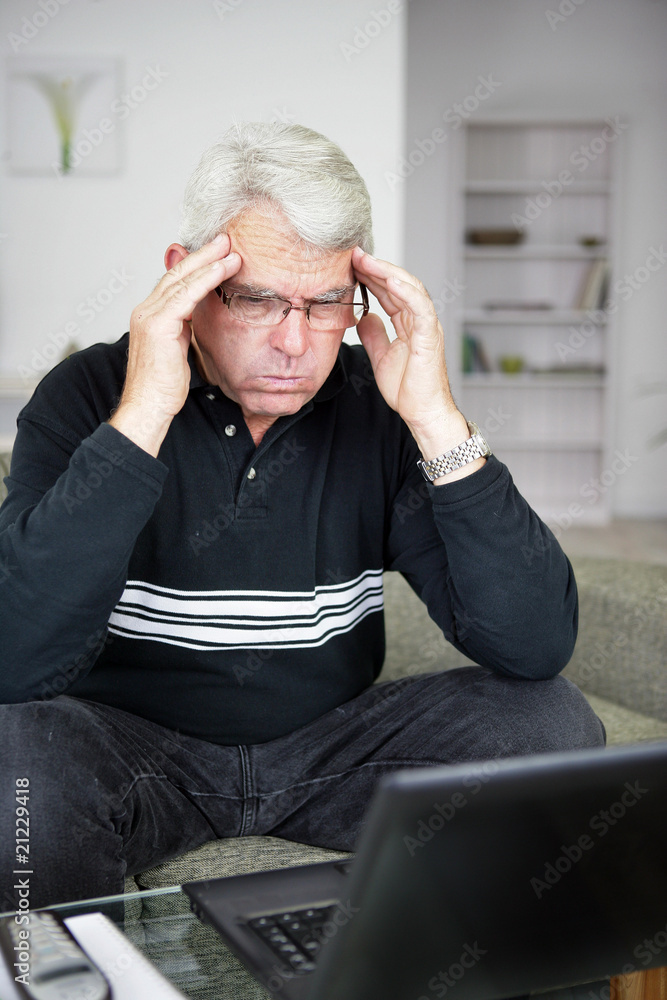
x=234, y=856
x=621, y=652
x=5, y=459
x=625, y=726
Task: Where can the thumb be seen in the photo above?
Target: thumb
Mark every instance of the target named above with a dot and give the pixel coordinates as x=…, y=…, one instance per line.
x=373, y=336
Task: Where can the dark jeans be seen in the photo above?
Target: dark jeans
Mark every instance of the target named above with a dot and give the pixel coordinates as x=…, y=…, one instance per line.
x=111, y=794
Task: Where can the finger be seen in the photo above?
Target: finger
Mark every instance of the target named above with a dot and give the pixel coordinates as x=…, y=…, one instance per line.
x=376, y=268
x=411, y=297
x=374, y=338
x=379, y=289
x=191, y=262
x=216, y=248
x=180, y=298
x=402, y=316
x=386, y=282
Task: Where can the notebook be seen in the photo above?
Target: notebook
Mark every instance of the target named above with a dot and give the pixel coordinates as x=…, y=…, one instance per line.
x=471, y=882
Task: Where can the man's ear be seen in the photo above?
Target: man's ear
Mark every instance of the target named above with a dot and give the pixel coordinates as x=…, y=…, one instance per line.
x=173, y=254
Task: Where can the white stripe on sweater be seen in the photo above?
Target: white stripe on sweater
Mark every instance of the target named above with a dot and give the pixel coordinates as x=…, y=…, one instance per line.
x=245, y=619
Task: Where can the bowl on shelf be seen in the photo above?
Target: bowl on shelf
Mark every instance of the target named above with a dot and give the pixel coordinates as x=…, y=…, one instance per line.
x=592, y=241
x=494, y=237
x=511, y=364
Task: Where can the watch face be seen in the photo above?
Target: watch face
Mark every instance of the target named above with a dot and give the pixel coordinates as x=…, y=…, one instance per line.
x=483, y=443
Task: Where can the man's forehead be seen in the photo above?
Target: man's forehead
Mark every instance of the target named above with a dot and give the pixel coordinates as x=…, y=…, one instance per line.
x=271, y=251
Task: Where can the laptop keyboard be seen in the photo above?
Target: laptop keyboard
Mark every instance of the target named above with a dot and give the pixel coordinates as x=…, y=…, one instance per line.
x=295, y=937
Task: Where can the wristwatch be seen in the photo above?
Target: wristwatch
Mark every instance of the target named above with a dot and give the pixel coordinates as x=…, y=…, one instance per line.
x=467, y=451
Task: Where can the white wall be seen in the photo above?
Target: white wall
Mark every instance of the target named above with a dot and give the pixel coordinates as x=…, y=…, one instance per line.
x=224, y=60
x=606, y=57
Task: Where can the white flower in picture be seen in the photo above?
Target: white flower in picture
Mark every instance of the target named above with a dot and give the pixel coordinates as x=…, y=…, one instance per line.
x=64, y=96
x=55, y=109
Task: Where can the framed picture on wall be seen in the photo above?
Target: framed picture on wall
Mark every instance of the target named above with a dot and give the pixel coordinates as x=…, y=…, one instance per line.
x=64, y=116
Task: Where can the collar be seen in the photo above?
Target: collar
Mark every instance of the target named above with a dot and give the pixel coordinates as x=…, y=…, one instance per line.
x=336, y=379
x=196, y=380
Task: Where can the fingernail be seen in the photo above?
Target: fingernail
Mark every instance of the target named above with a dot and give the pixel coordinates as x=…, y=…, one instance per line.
x=218, y=238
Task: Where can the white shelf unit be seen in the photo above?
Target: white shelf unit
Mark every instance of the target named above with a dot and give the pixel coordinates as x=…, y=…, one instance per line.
x=550, y=421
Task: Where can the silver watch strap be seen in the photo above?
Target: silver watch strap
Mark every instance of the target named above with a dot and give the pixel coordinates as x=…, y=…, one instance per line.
x=462, y=454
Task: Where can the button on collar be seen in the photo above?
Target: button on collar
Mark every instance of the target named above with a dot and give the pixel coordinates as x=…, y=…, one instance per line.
x=252, y=474
x=210, y=395
x=230, y=430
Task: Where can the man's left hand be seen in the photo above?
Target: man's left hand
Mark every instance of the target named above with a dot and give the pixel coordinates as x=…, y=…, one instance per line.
x=410, y=371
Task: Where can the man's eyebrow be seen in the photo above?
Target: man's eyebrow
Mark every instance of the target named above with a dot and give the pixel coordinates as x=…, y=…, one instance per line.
x=250, y=288
x=334, y=294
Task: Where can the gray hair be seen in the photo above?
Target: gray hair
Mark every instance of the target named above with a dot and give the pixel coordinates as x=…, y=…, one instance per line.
x=279, y=166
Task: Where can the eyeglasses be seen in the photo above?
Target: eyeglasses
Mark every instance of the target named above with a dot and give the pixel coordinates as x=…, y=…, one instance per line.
x=260, y=310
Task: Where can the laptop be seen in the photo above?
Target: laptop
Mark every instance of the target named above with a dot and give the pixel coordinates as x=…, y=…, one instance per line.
x=472, y=882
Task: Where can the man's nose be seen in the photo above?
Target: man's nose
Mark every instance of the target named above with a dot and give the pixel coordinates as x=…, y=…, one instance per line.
x=292, y=336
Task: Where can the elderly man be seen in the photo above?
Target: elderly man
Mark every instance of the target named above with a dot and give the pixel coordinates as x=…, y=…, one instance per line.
x=197, y=524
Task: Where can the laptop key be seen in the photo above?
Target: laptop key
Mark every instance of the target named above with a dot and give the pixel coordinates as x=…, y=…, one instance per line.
x=301, y=964
x=263, y=925
x=295, y=937
x=305, y=936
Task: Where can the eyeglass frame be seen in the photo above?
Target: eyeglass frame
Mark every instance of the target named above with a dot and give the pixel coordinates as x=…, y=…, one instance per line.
x=227, y=299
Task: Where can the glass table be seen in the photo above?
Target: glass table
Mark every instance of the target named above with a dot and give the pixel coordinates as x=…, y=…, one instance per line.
x=189, y=954
x=192, y=956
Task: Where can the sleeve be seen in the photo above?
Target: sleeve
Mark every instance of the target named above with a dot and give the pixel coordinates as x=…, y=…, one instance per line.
x=68, y=526
x=491, y=573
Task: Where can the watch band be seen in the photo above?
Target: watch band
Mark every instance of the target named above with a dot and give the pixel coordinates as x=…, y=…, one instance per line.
x=462, y=454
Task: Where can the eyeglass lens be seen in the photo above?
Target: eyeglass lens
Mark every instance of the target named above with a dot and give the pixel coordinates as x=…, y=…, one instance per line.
x=269, y=312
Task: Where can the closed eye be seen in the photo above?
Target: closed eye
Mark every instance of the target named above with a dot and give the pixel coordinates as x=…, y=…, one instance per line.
x=252, y=300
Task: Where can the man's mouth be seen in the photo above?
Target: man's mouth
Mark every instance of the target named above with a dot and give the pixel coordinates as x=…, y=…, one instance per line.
x=284, y=381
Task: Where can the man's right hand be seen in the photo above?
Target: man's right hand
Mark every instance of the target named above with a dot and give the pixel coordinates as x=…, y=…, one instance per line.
x=158, y=374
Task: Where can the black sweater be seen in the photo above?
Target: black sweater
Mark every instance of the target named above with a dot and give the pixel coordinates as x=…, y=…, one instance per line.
x=234, y=593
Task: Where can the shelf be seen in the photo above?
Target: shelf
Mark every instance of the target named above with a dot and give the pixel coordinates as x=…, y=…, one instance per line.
x=552, y=427
x=536, y=187
x=532, y=380
x=533, y=317
x=536, y=252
